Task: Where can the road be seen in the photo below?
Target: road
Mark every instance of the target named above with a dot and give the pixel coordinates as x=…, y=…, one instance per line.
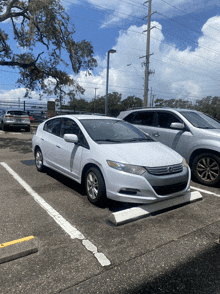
x=174, y=251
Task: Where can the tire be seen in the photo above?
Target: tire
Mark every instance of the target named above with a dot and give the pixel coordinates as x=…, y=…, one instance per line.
x=4, y=128
x=95, y=186
x=206, y=169
x=27, y=129
x=39, y=160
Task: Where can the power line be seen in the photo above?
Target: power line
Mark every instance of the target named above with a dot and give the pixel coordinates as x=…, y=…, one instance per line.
x=198, y=32
x=188, y=14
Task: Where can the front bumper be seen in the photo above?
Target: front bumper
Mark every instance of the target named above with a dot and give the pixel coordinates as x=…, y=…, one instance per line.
x=125, y=187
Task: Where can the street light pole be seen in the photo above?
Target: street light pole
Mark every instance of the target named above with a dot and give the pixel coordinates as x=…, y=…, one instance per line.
x=106, y=96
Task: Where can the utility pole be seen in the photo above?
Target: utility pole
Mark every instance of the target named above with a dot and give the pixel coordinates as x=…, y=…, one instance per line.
x=94, y=100
x=147, y=69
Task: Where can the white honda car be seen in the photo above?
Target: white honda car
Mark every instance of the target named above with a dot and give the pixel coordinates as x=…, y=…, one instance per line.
x=110, y=158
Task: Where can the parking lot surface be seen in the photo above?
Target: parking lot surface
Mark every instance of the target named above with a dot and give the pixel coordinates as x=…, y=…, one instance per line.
x=80, y=251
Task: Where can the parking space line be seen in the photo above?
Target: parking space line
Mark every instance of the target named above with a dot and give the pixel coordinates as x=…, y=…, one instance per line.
x=63, y=223
x=16, y=241
x=204, y=191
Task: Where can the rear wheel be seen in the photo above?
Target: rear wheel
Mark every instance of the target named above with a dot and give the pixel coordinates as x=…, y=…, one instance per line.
x=95, y=186
x=4, y=128
x=27, y=129
x=206, y=169
x=39, y=160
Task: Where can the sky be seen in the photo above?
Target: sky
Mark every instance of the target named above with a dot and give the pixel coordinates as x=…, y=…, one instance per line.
x=184, y=43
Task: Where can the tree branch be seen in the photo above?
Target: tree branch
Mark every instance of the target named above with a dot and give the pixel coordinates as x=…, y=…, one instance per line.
x=20, y=64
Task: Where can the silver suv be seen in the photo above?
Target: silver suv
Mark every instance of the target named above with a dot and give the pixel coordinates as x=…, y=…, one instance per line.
x=191, y=133
x=14, y=118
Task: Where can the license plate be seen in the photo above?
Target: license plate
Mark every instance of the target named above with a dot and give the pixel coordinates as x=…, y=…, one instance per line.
x=18, y=120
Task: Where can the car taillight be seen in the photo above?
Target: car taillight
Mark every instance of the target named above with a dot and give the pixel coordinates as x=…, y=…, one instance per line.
x=8, y=116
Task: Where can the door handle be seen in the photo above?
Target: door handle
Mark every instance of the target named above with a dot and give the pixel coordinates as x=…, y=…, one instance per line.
x=58, y=146
x=156, y=134
x=42, y=139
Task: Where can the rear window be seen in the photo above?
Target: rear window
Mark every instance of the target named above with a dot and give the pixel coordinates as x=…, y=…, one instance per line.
x=16, y=112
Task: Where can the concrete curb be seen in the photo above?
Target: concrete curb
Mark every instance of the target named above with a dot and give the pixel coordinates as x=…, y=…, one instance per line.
x=18, y=248
x=135, y=213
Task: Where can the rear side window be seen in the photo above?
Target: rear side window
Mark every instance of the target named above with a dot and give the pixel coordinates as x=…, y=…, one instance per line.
x=145, y=118
x=53, y=126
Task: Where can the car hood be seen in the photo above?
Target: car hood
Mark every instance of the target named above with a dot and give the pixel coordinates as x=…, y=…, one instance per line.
x=149, y=154
x=211, y=132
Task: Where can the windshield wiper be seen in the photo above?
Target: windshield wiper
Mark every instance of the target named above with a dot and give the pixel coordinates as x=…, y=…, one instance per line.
x=108, y=140
x=137, y=140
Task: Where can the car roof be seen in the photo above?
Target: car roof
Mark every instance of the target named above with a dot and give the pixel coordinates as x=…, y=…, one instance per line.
x=87, y=116
x=130, y=110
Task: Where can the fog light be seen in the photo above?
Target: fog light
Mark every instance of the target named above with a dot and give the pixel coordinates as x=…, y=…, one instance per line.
x=129, y=191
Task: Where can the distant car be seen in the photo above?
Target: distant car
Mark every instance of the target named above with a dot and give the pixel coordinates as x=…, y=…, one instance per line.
x=111, y=158
x=38, y=117
x=12, y=118
x=193, y=134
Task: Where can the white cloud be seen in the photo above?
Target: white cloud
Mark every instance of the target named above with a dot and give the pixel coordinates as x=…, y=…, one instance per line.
x=178, y=74
x=17, y=95
x=119, y=11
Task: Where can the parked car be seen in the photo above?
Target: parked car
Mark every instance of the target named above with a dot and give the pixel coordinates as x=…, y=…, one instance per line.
x=13, y=118
x=39, y=117
x=111, y=158
x=193, y=134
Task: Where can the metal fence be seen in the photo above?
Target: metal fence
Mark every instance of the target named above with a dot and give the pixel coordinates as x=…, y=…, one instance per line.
x=30, y=107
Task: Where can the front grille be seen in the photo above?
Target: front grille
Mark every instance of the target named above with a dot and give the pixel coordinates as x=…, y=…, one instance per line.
x=165, y=170
x=170, y=189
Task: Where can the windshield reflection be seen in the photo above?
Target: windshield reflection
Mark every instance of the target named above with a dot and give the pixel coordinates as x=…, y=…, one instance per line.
x=200, y=120
x=113, y=131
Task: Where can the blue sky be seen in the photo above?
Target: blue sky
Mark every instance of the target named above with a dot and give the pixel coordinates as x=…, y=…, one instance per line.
x=185, y=43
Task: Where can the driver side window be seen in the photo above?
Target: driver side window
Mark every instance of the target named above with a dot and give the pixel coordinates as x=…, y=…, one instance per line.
x=165, y=119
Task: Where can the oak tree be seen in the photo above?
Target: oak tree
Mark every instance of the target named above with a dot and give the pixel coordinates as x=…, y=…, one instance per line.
x=34, y=36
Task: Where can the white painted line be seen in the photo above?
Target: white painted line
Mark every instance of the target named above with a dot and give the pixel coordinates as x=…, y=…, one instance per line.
x=64, y=224
x=204, y=191
x=134, y=213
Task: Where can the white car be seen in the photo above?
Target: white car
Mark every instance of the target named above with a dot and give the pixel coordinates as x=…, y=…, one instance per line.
x=111, y=158
x=14, y=118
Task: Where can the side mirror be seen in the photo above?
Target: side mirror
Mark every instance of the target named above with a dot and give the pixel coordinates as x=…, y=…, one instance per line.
x=177, y=126
x=71, y=138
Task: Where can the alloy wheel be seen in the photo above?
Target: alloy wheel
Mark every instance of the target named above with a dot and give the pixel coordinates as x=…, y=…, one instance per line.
x=92, y=185
x=208, y=169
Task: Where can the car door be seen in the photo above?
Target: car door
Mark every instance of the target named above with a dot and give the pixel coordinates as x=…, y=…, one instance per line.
x=177, y=139
x=68, y=155
x=49, y=137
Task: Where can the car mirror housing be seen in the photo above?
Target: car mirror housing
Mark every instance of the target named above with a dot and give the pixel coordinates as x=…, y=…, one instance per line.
x=71, y=138
x=178, y=126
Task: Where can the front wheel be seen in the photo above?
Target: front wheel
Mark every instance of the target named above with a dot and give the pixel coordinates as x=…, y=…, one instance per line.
x=206, y=169
x=95, y=186
x=39, y=160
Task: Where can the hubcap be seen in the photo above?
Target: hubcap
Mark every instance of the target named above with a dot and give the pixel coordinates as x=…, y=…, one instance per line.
x=39, y=159
x=92, y=185
x=207, y=169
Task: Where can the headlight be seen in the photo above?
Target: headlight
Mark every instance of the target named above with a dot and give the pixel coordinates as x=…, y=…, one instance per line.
x=184, y=163
x=128, y=168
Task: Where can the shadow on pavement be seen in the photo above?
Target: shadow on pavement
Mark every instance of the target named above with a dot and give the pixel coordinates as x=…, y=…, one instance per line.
x=16, y=145
x=200, y=275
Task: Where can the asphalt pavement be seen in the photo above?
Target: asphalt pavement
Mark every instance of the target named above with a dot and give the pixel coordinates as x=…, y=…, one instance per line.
x=175, y=250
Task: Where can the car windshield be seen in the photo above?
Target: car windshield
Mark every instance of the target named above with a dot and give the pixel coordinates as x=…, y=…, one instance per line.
x=200, y=120
x=113, y=131
x=16, y=112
